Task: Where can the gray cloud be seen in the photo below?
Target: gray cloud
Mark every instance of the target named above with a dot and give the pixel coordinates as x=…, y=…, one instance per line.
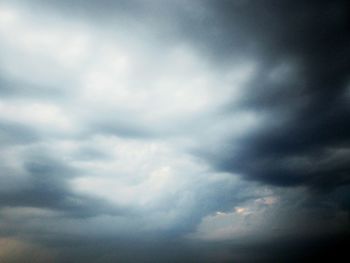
x=43, y=184
x=13, y=133
x=174, y=132
x=301, y=85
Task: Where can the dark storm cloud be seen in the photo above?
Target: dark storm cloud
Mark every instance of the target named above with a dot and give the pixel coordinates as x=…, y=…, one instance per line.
x=128, y=250
x=308, y=107
x=301, y=84
x=43, y=184
x=327, y=248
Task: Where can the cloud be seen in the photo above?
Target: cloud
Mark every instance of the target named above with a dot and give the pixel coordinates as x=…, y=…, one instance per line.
x=13, y=250
x=136, y=131
x=299, y=87
x=40, y=181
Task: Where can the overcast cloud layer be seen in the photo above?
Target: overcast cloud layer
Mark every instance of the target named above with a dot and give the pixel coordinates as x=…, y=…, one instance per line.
x=174, y=131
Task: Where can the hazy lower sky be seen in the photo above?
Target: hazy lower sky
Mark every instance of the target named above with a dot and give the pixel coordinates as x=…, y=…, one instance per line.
x=174, y=131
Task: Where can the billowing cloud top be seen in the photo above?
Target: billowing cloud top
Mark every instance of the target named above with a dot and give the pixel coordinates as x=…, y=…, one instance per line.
x=173, y=131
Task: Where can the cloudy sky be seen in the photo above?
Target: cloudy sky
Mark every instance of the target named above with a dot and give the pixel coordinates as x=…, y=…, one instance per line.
x=174, y=131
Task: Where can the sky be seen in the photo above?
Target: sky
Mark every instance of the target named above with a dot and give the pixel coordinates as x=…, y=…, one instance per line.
x=174, y=131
